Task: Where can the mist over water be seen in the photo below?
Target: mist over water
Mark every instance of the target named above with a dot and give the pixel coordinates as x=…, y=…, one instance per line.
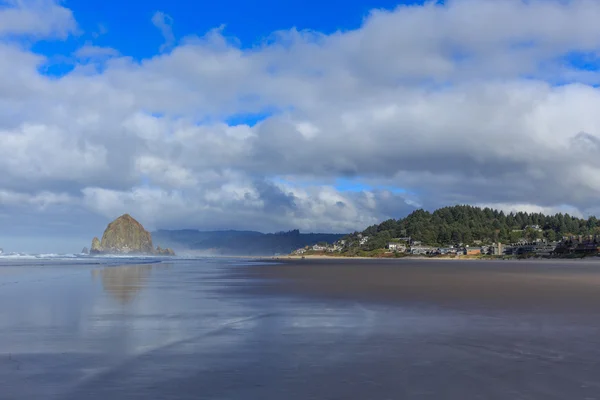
x=106, y=328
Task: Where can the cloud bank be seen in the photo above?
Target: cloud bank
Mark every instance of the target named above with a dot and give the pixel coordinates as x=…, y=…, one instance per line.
x=484, y=102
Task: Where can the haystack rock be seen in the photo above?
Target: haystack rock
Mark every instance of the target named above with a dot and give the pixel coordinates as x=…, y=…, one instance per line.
x=126, y=236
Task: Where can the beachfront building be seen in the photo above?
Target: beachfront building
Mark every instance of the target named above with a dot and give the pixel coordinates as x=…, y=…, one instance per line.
x=545, y=249
x=472, y=251
x=443, y=251
x=397, y=247
x=421, y=250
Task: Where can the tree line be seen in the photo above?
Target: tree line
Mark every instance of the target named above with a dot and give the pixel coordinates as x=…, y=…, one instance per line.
x=466, y=224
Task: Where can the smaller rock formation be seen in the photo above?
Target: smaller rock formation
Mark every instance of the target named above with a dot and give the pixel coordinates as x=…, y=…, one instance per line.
x=164, y=252
x=126, y=236
x=96, y=248
x=85, y=251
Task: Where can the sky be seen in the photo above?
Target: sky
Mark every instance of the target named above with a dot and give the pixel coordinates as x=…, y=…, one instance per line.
x=270, y=115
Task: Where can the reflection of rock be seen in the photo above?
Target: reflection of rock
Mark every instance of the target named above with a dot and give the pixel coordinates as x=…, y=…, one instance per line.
x=123, y=283
x=125, y=235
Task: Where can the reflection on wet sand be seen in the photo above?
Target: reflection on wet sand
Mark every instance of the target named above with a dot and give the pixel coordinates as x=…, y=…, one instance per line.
x=124, y=282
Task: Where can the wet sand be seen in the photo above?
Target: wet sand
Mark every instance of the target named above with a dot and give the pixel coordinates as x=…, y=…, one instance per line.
x=543, y=286
x=298, y=330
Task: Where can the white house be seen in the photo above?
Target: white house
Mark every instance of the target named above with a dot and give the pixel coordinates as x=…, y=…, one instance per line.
x=397, y=247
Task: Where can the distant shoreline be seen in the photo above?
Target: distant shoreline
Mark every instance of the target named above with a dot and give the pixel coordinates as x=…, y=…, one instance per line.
x=412, y=258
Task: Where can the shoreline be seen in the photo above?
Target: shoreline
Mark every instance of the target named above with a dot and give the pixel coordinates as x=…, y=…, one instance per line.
x=412, y=258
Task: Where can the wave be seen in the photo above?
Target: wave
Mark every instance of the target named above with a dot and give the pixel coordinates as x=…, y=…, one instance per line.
x=38, y=256
x=73, y=259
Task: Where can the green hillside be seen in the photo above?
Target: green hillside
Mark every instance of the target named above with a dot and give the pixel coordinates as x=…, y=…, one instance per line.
x=466, y=224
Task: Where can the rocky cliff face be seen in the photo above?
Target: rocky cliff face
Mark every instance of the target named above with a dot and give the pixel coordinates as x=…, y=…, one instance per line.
x=126, y=236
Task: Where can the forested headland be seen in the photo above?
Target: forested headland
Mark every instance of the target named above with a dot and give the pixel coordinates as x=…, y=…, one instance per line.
x=468, y=225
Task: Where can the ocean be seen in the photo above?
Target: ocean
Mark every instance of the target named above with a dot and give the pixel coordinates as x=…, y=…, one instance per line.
x=216, y=328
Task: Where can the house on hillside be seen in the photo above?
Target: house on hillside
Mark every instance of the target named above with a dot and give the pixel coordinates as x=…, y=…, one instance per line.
x=318, y=247
x=534, y=227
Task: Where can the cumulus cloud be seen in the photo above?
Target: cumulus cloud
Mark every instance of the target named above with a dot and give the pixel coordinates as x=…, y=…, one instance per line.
x=39, y=18
x=478, y=102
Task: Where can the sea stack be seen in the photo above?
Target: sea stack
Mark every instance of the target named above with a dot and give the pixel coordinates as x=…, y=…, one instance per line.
x=126, y=236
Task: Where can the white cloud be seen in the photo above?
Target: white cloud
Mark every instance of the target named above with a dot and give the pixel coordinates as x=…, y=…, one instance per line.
x=430, y=99
x=39, y=200
x=165, y=23
x=40, y=18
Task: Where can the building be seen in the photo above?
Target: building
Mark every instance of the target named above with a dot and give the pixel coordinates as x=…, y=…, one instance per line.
x=445, y=251
x=421, y=250
x=545, y=249
x=497, y=249
x=472, y=251
x=317, y=247
x=396, y=247
x=526, y=248
x=534, y=227
x=509, y=250
x=538, y=248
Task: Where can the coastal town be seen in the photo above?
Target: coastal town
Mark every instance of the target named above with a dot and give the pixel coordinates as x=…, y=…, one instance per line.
x=568, y=247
